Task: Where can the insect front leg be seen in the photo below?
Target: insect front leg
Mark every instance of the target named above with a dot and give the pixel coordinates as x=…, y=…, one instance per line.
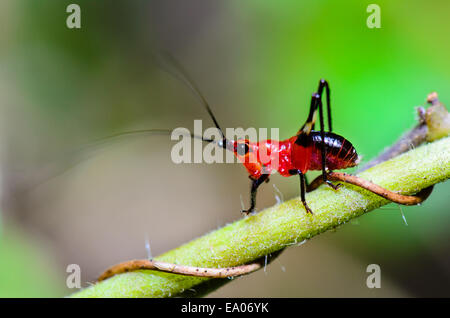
x=254, y=188
x=303, y=186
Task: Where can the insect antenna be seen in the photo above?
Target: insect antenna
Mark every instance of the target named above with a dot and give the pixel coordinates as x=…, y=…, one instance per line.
x=101, y=142
x=174, y=68
x=71, y=159
x=142, y=132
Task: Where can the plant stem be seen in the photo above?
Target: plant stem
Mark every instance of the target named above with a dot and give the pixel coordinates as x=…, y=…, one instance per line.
x=282, y=225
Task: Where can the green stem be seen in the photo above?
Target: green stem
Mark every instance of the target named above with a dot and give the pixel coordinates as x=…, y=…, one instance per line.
x=282, y=225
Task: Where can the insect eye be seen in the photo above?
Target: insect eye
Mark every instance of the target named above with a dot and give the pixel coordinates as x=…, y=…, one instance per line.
x=242, y=149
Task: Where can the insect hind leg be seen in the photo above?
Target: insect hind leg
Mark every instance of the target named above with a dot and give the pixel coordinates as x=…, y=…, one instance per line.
x=323, y=84
x=323, y=147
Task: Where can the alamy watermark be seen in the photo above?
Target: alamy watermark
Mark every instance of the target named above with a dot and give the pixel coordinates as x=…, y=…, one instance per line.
x=73, y=21
x=374, y=279
x=73, y=280
x=374, y=19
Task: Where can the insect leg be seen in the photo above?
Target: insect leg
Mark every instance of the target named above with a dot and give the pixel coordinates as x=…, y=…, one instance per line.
x=324, y=84
x=254, y=188
x=310, y=121
x=323, y=148
x=316, y=104
x=303, y=190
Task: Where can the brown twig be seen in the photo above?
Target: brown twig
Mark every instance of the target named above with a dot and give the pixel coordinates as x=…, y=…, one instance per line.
x=372, y=187
x=134, y=265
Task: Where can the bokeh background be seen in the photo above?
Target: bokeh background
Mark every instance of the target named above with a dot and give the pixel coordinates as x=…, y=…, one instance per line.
x=257, y=62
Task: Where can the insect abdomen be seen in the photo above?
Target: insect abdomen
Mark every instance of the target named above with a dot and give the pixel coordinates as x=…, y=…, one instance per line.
x=340, y=153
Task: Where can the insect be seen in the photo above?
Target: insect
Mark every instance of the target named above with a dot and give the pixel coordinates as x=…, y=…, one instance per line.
x=307, y=150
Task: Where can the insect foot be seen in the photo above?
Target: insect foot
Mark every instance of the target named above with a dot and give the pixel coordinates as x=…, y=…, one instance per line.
x=307, y=208
x=334, y=186
x=247, y=212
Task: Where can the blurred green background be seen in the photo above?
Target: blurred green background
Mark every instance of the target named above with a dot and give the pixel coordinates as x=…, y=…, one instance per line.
x=257, y=63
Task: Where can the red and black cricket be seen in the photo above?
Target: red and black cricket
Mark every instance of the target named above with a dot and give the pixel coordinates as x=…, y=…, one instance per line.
x=307, y=150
